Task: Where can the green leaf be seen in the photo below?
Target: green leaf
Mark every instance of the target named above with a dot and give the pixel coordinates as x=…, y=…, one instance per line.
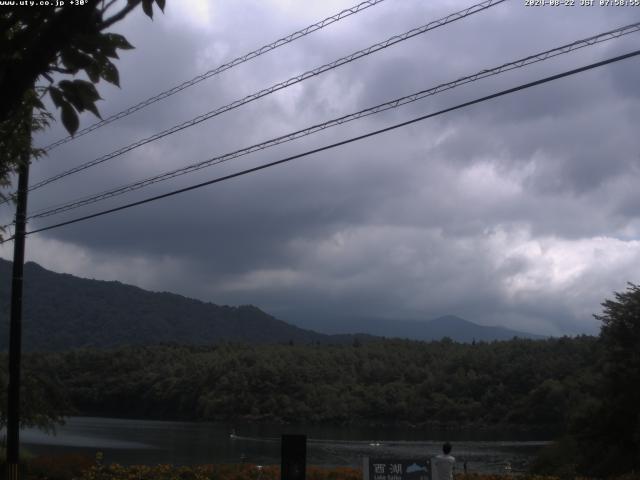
x=106, y=46
x=65, y=84
x=147, y=7
x=80, y=89
x=71, y=95
x=93, y=72
x=91, y=106
x=100, y=59
x=74, y=60
x=110, y=51
x=86, y=90
x=81, y=94
x=87, y=43
x=56, y=96
x=161, y=4
x=69, y=118
x=88, y=94
x=110, y=73
x=68, y=62
x=119, y=41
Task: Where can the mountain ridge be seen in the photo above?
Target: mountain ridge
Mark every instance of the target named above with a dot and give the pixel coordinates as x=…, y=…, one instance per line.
x=451, y=326
x=62, y=311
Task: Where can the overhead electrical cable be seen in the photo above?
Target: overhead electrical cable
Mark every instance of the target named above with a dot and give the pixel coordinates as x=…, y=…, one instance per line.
x=538, y=57
x=343, y=142
x=279, y=86
x=221, y=68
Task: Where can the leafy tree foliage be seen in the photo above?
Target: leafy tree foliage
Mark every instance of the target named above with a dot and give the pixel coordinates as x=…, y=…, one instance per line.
x=38, y=44
x=43, y=397
x=15, y=137
x=608, y=430
x=385, y=382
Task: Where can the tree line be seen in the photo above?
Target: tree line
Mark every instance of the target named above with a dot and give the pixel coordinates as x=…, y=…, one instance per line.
x=519, y=382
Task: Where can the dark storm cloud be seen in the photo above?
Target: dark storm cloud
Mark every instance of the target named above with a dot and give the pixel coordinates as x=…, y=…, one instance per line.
x=242, y=224
x=521, y=211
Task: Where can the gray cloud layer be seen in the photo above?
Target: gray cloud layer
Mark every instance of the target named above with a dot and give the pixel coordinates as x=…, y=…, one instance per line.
x=521, y=211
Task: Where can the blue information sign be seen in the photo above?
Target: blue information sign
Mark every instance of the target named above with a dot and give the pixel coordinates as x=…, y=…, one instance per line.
x=396, y=469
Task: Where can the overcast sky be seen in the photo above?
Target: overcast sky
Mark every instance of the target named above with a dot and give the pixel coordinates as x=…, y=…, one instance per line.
x=522, y=211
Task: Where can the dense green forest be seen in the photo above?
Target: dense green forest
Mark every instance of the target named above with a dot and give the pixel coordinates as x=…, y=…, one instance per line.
x=519, y=382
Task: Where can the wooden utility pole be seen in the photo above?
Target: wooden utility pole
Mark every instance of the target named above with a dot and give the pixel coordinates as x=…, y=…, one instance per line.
x=15, y=328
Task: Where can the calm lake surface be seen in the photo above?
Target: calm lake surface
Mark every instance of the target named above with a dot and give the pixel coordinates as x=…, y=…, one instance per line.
x=189, y=443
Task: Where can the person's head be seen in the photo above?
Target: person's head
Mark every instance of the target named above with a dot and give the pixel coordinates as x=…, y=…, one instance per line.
x=446, y=448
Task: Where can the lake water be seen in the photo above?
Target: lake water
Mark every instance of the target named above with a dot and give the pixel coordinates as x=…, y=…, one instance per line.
x=189, y=443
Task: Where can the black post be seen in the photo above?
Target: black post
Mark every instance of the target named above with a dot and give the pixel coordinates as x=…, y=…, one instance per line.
x=15, y=328
x=293, y=457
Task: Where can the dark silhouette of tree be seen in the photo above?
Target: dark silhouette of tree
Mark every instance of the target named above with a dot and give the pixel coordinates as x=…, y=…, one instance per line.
x=610, y=440
x=37, y=43
x=44, y=399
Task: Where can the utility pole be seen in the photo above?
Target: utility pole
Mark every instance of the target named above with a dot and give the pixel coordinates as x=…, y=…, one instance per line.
x=15, y=327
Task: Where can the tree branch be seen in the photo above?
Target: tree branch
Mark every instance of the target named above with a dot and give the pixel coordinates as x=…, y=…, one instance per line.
x=118, y=16
x=108, y=5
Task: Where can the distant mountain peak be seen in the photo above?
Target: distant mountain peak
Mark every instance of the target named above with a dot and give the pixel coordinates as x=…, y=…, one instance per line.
x=449, y=320
x=451, y=326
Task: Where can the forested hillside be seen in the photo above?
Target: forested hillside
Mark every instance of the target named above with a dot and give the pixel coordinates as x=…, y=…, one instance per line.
x=62, y=311
x=521, y=382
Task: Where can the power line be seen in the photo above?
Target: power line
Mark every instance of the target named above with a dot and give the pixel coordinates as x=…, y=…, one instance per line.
x=221, y=68
x=279, y=86
x=343, y=142
x=602, y=37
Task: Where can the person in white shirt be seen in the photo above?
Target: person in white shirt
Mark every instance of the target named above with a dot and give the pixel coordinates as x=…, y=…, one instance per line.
x=442, y=465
